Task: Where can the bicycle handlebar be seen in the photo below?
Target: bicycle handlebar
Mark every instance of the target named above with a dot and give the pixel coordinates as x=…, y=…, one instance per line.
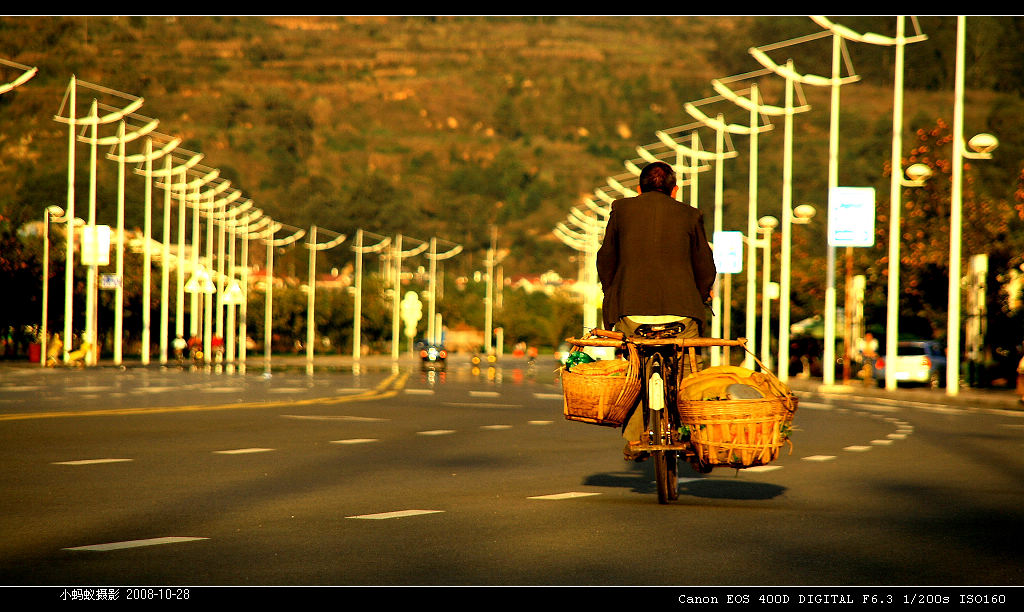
x=609, y=338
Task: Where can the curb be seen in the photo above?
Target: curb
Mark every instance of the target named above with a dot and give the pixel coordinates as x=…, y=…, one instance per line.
x=1006, y=399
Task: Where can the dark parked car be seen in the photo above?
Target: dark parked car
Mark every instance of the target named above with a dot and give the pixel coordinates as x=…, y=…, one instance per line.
x=433, y=356
x=921, y=362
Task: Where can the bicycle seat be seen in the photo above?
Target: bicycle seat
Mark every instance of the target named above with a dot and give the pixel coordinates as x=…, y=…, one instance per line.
x=659, y=330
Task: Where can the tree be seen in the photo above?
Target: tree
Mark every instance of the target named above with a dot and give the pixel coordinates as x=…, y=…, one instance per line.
x=988, y=226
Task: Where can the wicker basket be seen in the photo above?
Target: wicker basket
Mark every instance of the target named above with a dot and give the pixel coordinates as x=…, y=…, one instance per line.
x=739, y=433
x=596, y=397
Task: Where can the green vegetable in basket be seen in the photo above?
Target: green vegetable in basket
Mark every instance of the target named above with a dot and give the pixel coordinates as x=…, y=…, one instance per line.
x=577, y=357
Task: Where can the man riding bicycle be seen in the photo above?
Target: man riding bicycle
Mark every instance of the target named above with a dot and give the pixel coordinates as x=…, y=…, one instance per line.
x=655, y=266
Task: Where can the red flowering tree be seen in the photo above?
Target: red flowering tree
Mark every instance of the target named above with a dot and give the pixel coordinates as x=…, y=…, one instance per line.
x=988, y=226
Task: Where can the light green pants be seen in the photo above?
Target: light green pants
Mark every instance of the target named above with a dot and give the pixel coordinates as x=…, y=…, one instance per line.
x=635, y=421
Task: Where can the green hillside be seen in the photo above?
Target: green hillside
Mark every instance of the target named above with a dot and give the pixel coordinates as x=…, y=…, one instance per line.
x=445, y=126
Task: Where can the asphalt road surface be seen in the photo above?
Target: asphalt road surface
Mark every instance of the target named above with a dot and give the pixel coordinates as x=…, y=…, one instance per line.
x=396, y=477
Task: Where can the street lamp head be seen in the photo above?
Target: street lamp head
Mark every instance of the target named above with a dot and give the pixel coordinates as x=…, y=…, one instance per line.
x=768, y=222
x=54, y=211
x=804, y=212
x=983, y=143
x=919, y=172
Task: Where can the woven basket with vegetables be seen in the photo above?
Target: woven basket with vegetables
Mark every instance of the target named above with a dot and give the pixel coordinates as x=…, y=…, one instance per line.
x=734, y=416
x=600, y=392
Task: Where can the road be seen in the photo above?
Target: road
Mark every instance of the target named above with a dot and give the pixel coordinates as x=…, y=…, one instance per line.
x=391, y=476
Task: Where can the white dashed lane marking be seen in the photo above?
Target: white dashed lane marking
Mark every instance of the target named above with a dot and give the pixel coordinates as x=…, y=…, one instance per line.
x=482, y=405
x=354, y=441
x=760, y=468
x=134, y=544
x=569, y=495
x=395, y=514
x=243, y=451
x=335, y=418
x=90, y=461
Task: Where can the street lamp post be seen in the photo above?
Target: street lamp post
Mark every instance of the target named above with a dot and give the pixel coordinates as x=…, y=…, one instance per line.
x=432, y=328
x=200, y=283
x=215, y=210
x=145, y=159
x=259, y=229
x=313, y=247
x=357, y=306
x=752, y=130
x=896, y=180
x=398, y=255
x=173, y=165
x=94, y=140
x=982, y=144
x=273, y=243
x=787, y=112
x=223, y=219
x=73, y=120
x=120, y=142
x=235, y=295
x=56, y=214
x=782, y=369
x=587, y=243
x=834, y=83
x=752, y=105
x=697, y=155
x=766, y=225
x=201, y=177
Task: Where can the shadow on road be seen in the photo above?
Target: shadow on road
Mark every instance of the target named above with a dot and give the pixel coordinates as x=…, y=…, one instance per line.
x=639, y=478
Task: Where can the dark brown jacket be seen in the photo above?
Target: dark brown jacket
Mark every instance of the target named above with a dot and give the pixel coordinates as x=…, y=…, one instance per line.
x=655, y=259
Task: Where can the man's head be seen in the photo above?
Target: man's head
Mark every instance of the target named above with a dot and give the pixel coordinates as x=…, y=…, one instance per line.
x=658, y=176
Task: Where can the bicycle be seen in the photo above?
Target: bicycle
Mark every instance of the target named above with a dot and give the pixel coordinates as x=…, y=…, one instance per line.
x=664, y=437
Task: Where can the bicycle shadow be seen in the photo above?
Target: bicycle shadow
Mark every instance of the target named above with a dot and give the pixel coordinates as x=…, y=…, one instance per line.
x=720, y=484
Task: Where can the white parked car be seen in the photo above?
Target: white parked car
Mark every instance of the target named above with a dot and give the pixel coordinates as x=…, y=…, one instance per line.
x=921, y=362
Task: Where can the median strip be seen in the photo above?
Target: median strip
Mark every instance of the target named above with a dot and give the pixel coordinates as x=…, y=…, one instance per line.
x=389, y=387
